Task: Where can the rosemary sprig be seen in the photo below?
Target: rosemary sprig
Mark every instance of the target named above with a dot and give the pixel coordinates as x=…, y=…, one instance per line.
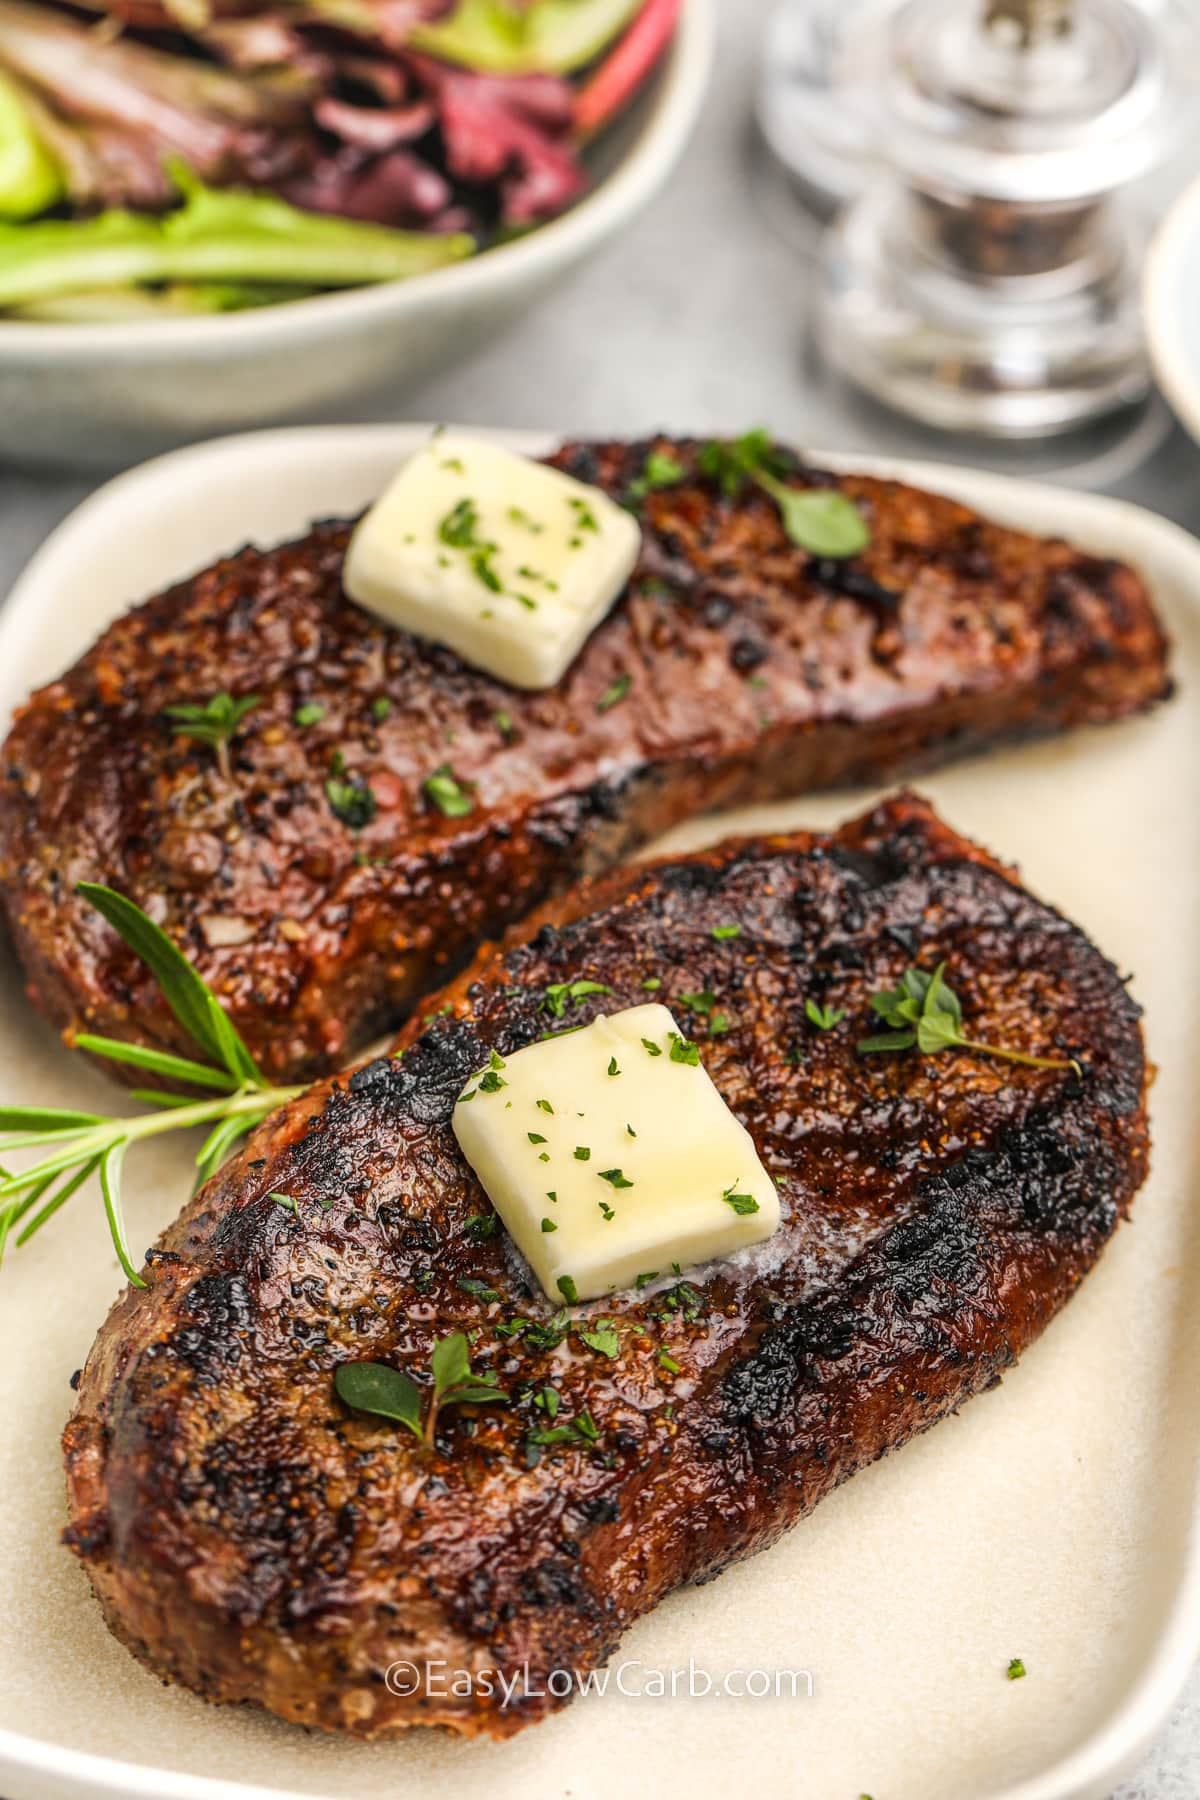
x=78, y=1145
x=924, y=1011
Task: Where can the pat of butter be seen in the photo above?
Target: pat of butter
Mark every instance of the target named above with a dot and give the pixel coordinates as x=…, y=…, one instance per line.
x=608, y=1158
x=509, y=564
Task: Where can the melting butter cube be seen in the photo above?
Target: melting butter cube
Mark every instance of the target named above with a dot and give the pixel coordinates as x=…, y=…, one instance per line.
x=509, y=564
x=609, y=1155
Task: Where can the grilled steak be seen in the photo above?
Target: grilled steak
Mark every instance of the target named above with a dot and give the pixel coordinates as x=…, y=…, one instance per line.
x=312, y=879
x=250, y=1536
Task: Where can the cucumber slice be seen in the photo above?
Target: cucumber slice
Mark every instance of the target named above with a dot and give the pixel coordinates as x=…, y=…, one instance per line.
x=550, y=37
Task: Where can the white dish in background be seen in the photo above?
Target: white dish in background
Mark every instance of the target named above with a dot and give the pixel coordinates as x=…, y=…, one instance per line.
x=99, y=395
x=1055, y=1519
x=1171, y=302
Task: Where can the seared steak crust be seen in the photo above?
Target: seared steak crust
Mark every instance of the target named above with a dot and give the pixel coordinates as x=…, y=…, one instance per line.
x=251, y=1537
x=753, y=671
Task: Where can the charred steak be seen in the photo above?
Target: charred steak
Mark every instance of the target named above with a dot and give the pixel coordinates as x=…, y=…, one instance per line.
x=251, y=1537
x=307, y=869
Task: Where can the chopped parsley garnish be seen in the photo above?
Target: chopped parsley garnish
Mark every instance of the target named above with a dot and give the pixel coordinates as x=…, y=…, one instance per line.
x=551, y=1194
x=559, y=992
x=286, y=1201
x=822, y=1016
x=585, y=518
x=581, y=1429
x=706, y=1005
x=614, y=1177
x=503, y=723
x=510, y=1328
x=612, y=1066
x=742, y=1204
x=658, y=471
x=699, y=1003
x=546, y=1400
x=684, y=1299
x=458, y=528
x=480, y=1289
x=535, y=1137
x=683, y=1050
x=447, y=793
x=651, y=1047
x=631, y=1131
x=549, y=1225
x=1016, y=1669
x=667, y=1362
x=652, y=983
x=550, y=1335
x=644, y=1279
x=350, y=800
x=544, y=1106
x=582, y=1153
x=602, y=1338
x=311, y=713
x=606, y=1211
x=481, y=568
x=724, y=932
x=491, y=1083
x=519, y=516
x=614, y=693
x=479, y=1227
x=567, y=1289
x=381, y=708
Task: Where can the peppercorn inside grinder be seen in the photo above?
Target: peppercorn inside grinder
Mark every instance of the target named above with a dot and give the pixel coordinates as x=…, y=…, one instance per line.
x=987, y=279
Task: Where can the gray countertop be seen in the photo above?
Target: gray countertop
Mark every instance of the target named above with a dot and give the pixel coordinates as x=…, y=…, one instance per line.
x=696, y=320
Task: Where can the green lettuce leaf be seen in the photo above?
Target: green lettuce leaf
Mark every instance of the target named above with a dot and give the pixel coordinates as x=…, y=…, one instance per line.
x=548, y=37
x=30, y=179
x=214, y=237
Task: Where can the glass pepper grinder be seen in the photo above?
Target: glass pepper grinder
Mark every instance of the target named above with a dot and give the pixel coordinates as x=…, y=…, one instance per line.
x=986, y=280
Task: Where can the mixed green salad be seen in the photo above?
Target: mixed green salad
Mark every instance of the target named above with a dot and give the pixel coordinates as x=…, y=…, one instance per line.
x=209, y=155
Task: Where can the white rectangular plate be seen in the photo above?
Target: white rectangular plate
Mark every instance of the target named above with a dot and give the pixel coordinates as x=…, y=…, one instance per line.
x=1054, y=1520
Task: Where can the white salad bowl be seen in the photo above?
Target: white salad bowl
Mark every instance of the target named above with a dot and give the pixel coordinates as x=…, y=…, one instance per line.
x=101, y=395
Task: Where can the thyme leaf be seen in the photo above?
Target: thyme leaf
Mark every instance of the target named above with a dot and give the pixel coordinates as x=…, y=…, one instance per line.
x=925, y=1012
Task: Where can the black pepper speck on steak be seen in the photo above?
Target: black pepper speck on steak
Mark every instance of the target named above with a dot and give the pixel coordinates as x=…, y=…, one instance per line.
x=250, y=1536
x=754, y=671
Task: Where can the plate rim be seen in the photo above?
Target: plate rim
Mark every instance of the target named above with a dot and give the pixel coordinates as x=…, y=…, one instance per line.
x=1104, y=1755
x=1178, y=373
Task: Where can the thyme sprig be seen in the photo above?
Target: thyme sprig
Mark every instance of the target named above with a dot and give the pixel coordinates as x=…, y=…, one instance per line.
x=80, y=1145
x=391, y=1394
x=823, y=521
x=214, y=723
x=926, y=1012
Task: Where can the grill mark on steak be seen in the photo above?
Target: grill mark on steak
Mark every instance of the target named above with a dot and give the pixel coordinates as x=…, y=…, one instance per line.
x=251, y=1537
x=757, y=672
